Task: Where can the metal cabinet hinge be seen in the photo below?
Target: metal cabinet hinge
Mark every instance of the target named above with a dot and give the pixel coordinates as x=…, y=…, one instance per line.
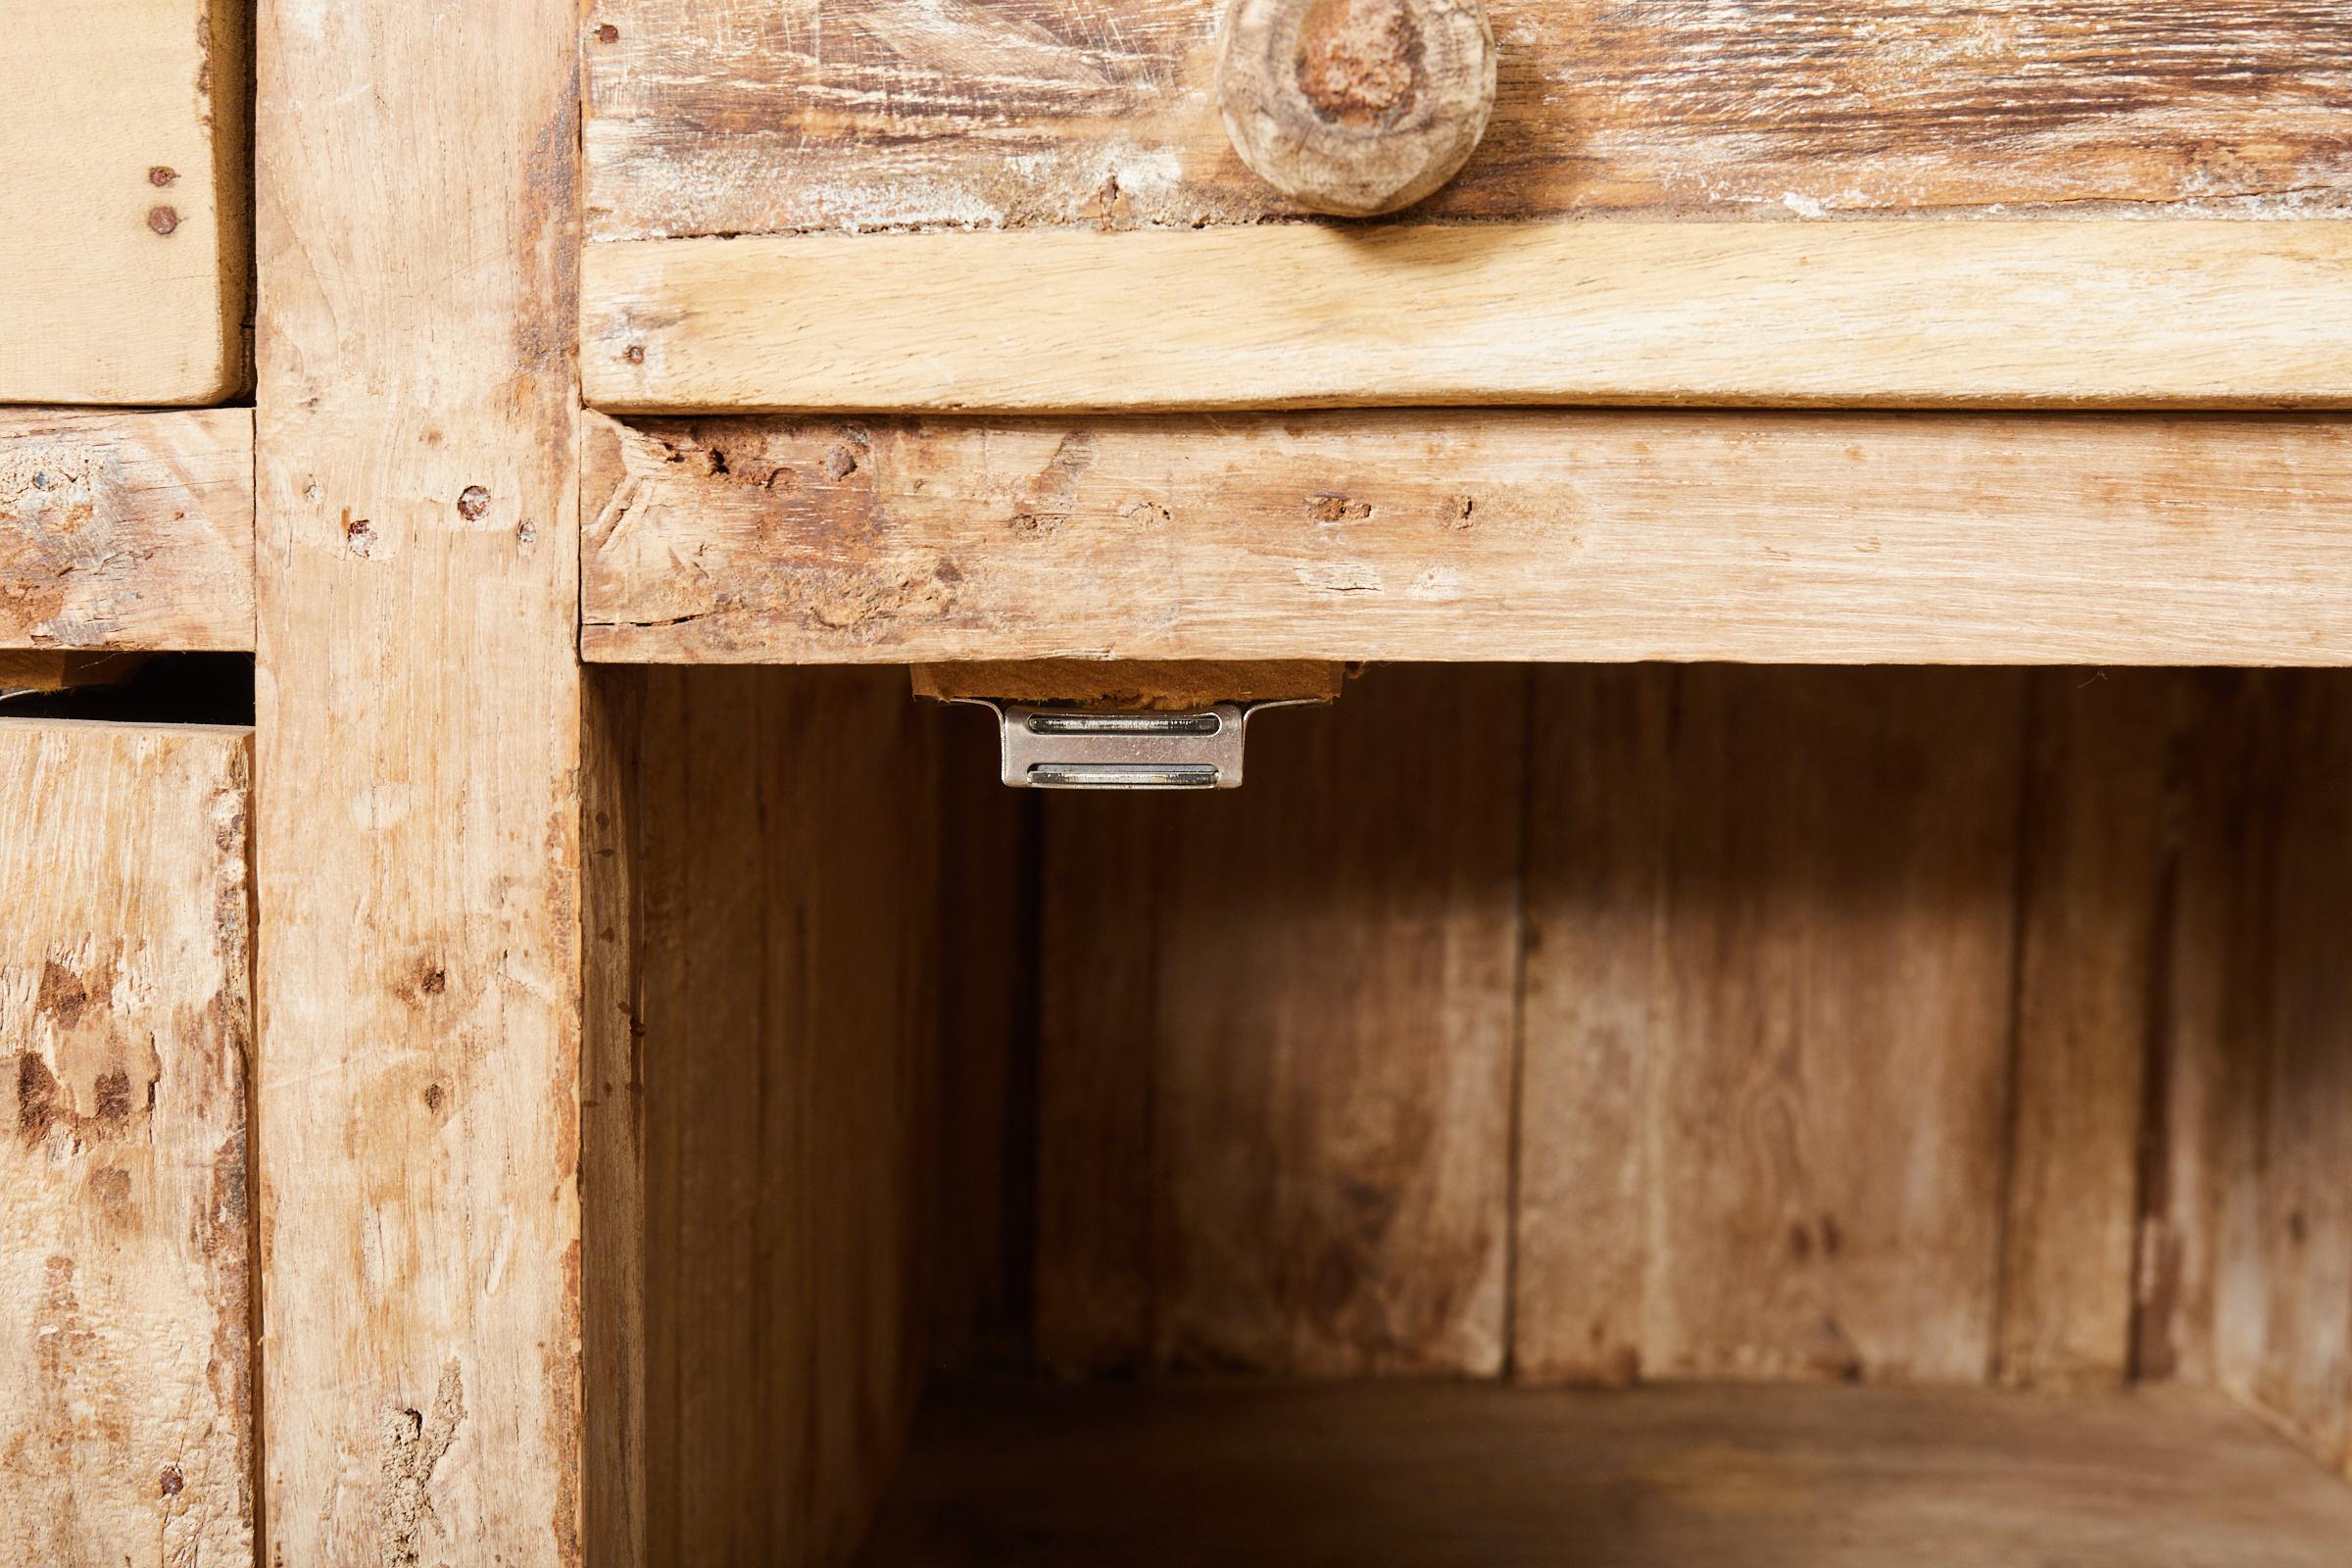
x=1087, y=749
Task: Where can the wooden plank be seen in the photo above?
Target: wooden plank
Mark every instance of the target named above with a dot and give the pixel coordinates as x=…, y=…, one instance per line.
x=1276, y=1120
x=124, y=219
x=1928, y=313
x=125, y=999
x=2283, y=1240
x=2106, y=802
x=738, y=116
x=419, y=753
x=1133, y=683
x=127, y=530
x=1552, y=535
x=785, y=897
x=1824, y=944
x=1667, y=1478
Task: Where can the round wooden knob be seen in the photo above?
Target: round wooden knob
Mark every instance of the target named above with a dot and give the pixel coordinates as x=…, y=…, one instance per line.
x=1356, y=107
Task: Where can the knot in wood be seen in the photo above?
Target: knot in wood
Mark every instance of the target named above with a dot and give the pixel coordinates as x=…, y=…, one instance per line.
x=1356, y=107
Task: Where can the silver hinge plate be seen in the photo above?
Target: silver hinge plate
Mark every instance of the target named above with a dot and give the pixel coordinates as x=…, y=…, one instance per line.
x=1091, y=749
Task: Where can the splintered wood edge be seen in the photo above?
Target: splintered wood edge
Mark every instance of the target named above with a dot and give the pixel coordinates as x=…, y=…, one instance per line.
x=1925, y=312
x=1152, y=685
x=127, y=530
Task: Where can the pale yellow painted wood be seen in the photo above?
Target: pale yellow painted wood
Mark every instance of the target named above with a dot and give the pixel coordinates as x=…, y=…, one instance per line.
x=420, y=746
x=1609, y=535
x=127, y=530
x=125, y=208
x=1927, y=312
x=1395, y=1474
x=125, y=1008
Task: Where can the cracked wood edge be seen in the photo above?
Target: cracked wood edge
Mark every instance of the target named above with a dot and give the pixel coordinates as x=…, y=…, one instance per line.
x=126, y=531
x=1599, y=535
x=419, y=745
x=126, y=217
x=1942, y=314
x=125, y=999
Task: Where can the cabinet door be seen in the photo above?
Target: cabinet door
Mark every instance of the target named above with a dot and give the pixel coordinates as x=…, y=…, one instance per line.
x=126, y=1002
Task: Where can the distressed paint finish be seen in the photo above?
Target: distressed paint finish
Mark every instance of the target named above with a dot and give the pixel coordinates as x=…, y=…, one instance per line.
x=419, y=748
x=127, y=530
x=125, y=1011
x=751, y=116
x=1586, y=535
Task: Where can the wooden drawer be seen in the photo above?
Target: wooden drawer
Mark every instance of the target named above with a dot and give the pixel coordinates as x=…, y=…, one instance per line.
x=990, y=271
x=126, y=1007
x=124, y=214
x=2121, y=204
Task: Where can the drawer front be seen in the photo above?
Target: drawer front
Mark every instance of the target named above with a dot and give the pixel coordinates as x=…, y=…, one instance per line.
x=124, y=227
x=126, y=1002
x=1091, y=239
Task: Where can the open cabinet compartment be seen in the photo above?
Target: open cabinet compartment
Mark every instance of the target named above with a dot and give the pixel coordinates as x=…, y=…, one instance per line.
x=1618, y=1114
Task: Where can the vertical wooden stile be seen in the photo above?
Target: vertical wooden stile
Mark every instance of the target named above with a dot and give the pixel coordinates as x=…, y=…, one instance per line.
x=418, y=774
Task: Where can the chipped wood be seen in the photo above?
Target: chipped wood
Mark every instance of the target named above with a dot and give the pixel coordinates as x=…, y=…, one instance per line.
x=2059, y=313
x=127, y=530
x=127, y=1004
x=746, y=117
x=1567, y=535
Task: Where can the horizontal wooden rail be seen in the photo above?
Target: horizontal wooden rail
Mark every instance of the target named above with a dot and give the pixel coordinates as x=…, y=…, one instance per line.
x=1925, y=313
x=1586, y=534
x=129, y=531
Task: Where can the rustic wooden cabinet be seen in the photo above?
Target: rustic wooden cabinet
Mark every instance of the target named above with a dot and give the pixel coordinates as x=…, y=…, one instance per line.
x=1794, y=1010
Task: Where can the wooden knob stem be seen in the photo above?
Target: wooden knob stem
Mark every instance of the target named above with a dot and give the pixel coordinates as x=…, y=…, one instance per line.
x=1356, y=107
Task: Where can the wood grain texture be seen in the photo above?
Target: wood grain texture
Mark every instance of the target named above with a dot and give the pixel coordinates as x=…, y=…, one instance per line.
x=715, y=116
x=787, y=903
x=2280, y=1069
x=1275, y=1114
x=126, y=216
x=1159, y=685
x=1766, y=1063
x=127, y=1005
x=2164, y=314
x=1398, y=1474
x=1555, y=535
x=127, y=530
x=2106, y=810
x=420, y=751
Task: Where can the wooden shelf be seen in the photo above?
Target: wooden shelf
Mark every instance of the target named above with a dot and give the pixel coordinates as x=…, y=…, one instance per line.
x=1670, y=1477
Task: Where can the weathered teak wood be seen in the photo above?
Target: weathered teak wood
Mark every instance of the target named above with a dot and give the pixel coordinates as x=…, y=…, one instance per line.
x=738, y=116
x=1928, y=313
x=420, y=749
x=1567, y=535
x=1404, y=1473
x=1762, y=1114
x=125, y=211
x=1276, y=1042
x=125, y=1006
x=127, y=530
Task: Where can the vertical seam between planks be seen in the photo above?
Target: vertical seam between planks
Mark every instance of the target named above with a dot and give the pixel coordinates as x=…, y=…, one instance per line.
x=2021, y=905
x=1516, y=1132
